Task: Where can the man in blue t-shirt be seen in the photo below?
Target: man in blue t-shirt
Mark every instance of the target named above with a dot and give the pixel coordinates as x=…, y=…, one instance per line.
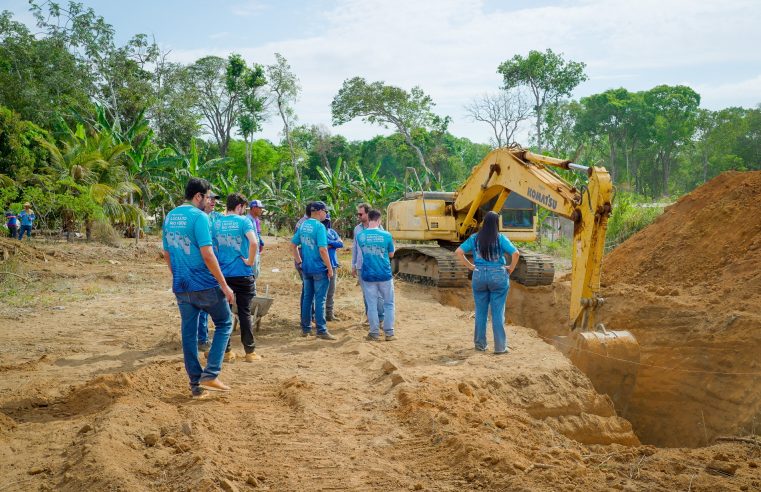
x=203, y=318
x=26, y=217
x=237, y=249
x=375, y=248
x=362, y=210
x=198, y=285
x=316, y=270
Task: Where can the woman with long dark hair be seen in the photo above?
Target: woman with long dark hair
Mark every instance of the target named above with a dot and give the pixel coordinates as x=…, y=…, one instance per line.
x=491, y=279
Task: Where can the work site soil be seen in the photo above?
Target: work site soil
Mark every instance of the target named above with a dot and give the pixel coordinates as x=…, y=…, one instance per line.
x=94, y=394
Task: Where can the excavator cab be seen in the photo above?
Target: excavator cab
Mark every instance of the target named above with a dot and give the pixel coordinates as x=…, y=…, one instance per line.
x=518, y=213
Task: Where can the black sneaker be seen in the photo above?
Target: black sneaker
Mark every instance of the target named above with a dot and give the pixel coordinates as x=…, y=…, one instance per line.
x=326, y=336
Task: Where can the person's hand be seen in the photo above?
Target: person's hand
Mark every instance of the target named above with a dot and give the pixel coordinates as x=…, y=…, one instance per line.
x=249, y=261
x=509, y=268
x=471, y=267
x=331, y=273
x=353, y=272
x=229, y=294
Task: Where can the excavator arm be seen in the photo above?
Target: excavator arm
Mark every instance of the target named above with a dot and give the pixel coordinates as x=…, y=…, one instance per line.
x=519, y=171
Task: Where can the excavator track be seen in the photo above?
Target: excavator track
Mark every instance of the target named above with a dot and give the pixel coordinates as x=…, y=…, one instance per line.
x=436, y=266
x=429, y=265
x=534, y=269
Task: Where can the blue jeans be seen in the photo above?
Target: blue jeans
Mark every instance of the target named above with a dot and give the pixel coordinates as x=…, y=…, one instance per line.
x=364, y=299
x=203, y=327
x=380, y=294
x=191, y=304
x=315, y=292
x=22, y=230
x=490, y=287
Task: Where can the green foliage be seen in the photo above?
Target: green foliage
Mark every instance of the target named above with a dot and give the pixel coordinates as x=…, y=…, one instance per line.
x=387, y=105
x=547, y=76
x=631, y=214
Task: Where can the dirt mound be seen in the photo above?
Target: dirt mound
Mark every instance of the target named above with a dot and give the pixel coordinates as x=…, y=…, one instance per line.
x=710, y=239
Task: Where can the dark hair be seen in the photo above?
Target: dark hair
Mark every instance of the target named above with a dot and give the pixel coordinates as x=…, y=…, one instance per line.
x=487, y=240
x=308, y=209
x=365, y=206
x=196, y=185
x=326, y=223
x=374, y=215
x=235, y=199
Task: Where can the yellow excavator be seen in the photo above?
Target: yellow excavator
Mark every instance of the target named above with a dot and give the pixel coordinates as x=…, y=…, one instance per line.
x=514, y=182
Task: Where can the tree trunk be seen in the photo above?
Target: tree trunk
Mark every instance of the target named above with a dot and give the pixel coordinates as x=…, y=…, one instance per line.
x=612, y=157
x=418, y=152
x=248, y=158
x=538, y=129
x=290, y=142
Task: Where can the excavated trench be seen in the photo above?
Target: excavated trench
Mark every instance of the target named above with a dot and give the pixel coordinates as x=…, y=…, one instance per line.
x=686, y=393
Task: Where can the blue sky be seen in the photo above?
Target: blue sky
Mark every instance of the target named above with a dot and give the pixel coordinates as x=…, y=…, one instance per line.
x=451, y=48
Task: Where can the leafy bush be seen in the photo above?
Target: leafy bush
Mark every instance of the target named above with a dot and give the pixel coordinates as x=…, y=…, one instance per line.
x=631, y=214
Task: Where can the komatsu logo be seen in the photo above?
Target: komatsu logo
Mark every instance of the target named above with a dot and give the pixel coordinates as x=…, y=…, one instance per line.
x=545, y=200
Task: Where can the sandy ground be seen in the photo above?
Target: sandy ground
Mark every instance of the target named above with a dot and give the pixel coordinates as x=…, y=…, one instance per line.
x=94, y=396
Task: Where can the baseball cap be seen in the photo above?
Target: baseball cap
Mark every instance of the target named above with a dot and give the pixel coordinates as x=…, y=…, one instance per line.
x=214, y=195
x=256, y=203
x=316, y=206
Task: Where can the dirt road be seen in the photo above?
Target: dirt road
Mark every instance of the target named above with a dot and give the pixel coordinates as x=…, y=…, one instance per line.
x=94, y=396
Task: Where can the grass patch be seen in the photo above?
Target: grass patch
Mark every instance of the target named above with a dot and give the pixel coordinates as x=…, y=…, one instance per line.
x=559, y=248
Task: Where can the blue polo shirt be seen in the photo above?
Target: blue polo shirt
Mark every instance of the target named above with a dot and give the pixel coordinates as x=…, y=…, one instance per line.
x=186, y=231
x=505, y=246
x=311, y=236
x=231, y=244
x=375, y=245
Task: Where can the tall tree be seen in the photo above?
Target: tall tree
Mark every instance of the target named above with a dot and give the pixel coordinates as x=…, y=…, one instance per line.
x=121, y=74
x=215, y=99
x=39, y=78
x=674, y=110
x=503, y=112
x=547, y=75
x=387, y=105
x=285, y=91
x=174, y=116
x=248, y=83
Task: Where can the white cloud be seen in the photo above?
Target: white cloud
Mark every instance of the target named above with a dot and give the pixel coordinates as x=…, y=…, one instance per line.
x=745, y=93
x=248, y=8
x=451, y=48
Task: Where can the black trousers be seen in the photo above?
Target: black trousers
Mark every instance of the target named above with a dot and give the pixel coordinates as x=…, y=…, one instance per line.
x=245, y=290
x=12, y=231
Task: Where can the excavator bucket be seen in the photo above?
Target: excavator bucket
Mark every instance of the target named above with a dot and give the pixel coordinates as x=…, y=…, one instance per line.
x=610, y=359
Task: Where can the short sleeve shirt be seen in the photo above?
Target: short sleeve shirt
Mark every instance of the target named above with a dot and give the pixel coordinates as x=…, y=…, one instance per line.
x=375, y=246
x=26, y=218
x=311, y=236
x=186, y=231
x=505, y=246
x=231, y=244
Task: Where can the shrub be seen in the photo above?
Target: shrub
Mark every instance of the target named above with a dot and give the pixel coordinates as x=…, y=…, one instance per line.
x=104, y=232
